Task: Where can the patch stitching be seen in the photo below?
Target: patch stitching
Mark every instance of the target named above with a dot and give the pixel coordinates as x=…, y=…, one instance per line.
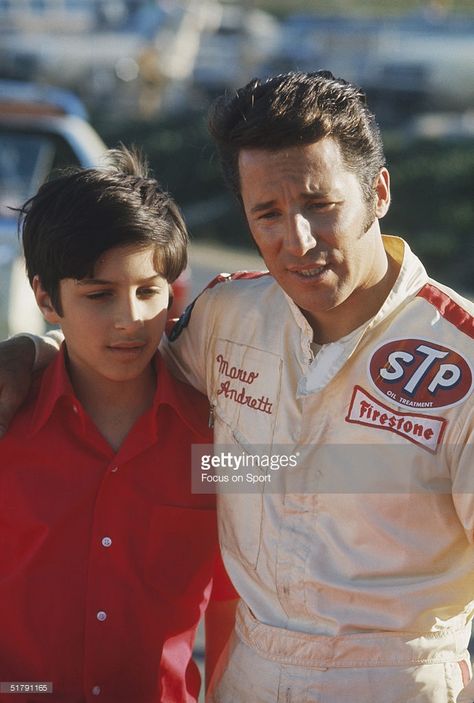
x=432, y=420
x=411, y=403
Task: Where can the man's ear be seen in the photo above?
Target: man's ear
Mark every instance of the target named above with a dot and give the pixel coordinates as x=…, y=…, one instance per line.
x=44, y=302
x=382, y=189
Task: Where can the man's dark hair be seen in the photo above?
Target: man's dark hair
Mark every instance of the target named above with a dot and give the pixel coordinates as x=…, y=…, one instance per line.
x=296, y=109
x=76, y=217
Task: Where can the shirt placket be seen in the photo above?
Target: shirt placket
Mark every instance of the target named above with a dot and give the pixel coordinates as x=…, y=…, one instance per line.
x=300, y=510
x=102, y=609
x=299, y=518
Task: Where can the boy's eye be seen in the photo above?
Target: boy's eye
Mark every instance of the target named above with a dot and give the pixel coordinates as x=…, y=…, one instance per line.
x=148, y=292
x=99, y=295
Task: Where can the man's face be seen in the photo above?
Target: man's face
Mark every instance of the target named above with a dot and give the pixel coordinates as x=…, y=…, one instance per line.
x=114, y=321
x=319, y=237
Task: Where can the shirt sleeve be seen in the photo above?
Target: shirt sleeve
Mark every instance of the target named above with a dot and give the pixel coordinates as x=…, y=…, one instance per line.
x=462, y=475
x=185, y=346
x=222, y=588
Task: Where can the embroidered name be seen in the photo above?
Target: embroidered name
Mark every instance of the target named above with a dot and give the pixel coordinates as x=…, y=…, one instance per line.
x=234, y=372
x=424, y=430
x=240, y=394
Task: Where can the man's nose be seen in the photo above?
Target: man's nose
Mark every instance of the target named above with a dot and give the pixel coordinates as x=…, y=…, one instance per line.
x=299, y=237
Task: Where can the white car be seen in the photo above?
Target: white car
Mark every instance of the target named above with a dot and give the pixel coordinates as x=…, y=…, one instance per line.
x=41, y=129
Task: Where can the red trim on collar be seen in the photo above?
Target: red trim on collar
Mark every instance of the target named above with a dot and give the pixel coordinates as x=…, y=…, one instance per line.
x=449, y=309
x=236, y=276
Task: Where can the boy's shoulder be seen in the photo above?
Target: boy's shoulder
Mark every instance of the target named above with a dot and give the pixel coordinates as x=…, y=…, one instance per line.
x=48, y=387
x=21, y=424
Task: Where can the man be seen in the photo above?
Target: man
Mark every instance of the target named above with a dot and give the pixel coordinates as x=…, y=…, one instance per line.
x=357, y=586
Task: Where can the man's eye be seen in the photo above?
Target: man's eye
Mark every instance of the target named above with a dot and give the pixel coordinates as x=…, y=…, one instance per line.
x=271, y=215
x=320, y=205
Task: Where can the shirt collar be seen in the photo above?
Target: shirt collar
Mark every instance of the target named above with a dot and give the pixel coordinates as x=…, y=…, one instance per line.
x=411, y=277
x=55, y=389
x=191, y=406
x=54, y=386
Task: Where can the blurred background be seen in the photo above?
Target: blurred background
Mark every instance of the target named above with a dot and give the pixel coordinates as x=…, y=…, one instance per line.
x=77, y=75
x=145, y=72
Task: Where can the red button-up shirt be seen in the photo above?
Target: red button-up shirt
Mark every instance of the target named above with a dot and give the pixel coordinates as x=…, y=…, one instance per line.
x=106, y=559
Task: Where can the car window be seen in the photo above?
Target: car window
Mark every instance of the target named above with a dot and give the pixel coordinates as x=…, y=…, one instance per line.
x=26, y=160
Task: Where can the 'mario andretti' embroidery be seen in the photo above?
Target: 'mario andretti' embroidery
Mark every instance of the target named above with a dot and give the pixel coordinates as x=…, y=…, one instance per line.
x=240, y=394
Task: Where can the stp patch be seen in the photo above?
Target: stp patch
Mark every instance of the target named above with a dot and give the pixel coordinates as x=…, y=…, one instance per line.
x=420, y=374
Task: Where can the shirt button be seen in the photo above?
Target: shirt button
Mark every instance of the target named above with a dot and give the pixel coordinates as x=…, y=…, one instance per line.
x=106, y=541
x=114, y=469
x=101, y=615
x=75, y=409
x=96, y=690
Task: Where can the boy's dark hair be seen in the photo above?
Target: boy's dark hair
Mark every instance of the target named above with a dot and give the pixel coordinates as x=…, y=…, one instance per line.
x=82, y=213
x=295, y=109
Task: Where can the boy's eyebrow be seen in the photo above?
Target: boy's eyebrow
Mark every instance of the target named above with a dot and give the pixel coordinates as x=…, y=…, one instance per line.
x=102, y=281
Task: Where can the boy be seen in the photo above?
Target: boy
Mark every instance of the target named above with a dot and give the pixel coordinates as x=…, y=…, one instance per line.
x=106, y=558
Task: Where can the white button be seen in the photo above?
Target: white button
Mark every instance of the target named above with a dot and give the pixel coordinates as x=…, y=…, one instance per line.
x=101, y=615
x=75, y=409
x=114, y=469
x=96, y=690
x=106, y=541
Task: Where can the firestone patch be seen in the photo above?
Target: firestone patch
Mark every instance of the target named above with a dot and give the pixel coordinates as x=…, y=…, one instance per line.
x=424, y=430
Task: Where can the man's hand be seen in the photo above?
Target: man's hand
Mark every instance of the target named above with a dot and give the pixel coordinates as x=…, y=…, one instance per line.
x=17, y=357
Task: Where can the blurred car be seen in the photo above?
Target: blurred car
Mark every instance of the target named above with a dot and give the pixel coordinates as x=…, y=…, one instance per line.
x=41, y=129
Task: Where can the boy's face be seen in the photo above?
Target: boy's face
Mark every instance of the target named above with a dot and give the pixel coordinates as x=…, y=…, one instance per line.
x=112, y=322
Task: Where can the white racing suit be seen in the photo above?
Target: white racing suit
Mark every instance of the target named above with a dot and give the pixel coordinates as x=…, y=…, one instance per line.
x=357, y=573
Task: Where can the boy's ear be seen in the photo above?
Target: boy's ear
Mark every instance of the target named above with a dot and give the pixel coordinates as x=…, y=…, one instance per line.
x=44, y=302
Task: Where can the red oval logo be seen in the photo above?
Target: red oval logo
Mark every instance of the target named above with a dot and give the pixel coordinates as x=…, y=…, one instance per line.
x=419, y=374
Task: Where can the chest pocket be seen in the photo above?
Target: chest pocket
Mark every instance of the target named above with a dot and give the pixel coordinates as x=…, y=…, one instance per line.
x=245, y=394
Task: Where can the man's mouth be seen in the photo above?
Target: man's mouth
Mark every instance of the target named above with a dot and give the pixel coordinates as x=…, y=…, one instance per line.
x=309, y=271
